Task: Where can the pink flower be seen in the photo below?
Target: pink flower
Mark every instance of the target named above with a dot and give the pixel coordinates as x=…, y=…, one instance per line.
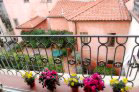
x=48, y=77
x=44, y=73
x=93, y=89
x=46, y=69
x=52, y=77
x=54, y=72
x=95, y=82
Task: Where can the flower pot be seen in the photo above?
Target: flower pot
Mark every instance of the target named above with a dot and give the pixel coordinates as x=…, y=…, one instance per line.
x=74, y=89
x=51, y=90
x=68, y=51
x=32, y=85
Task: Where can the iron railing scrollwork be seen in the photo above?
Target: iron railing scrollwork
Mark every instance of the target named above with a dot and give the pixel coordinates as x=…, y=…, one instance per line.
x=68, y=54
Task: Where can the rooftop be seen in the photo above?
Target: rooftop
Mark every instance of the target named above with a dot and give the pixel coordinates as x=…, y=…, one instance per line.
x=32, y=23
x=94, y=10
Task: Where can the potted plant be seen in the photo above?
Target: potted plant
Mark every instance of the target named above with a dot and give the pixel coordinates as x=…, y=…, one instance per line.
x=49, y=79
x=74, y=82
x=29, y=78
x=119, y=85
x=94, y=83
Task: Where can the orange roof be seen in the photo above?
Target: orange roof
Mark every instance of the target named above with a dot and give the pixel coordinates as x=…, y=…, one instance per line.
x=31, y=23
x=65, y=7
x=94, y=10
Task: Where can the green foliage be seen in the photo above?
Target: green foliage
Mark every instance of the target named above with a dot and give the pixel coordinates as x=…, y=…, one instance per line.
x=105, y=70
x=18, y=47
x=64, y=52
x=61, y=42
x=6, y=61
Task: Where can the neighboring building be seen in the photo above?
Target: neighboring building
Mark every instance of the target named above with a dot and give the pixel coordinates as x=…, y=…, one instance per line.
x=98, y=17
x=133, y=7
x=35, y=23
x=4, y=17
x=21, y=11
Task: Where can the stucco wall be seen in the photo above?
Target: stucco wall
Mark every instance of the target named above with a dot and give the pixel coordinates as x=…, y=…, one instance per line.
x=58, y=24
x=102, y=28
x=25, y=11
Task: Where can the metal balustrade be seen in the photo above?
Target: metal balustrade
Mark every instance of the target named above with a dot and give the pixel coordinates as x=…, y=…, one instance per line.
x=67, y=54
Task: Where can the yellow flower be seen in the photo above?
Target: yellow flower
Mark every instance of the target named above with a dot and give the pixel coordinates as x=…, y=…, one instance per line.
x=122, y=90
x=125, y=80
x=29, y=76
x=75, y=80
x=70, y=79
x=66, y=81
x=73, y=75
x=72, y=83
x=127, y=88
x=114, y=81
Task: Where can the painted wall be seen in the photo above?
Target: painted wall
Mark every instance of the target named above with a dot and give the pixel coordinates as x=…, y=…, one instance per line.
x=25, y=11
x=102, y=28
x=95, y=28
x=58, y=24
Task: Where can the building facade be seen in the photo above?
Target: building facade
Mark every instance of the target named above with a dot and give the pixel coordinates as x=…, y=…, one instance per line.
x=21, y=11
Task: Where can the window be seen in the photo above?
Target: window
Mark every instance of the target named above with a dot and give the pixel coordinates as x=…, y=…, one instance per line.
x=1, y=1
x=49, y=1
x=84, y=39
x=26, y=1
x=111, y=40
x=16, y=22
x=138, y=53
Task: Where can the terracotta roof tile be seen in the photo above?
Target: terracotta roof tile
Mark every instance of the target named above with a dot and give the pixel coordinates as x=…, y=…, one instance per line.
x=32, y=23
x=65, y=7
x=95, y=10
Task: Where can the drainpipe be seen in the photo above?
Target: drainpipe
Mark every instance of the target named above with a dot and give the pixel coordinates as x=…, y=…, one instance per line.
x=76, y=34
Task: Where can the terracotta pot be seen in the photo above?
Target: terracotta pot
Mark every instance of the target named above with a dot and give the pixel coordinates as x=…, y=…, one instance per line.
x=75, y=89
x=68, y=51
x=52, y=91
x=32, y=85
x=109, y=65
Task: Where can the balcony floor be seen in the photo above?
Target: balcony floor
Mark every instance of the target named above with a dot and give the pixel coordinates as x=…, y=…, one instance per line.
x=18, y=82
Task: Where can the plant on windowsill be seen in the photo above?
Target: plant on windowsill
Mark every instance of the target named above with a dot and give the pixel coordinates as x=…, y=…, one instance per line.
x=120, y=86
x=94, y=83
x=74, y=82
x=29, y=78
x=49, y=79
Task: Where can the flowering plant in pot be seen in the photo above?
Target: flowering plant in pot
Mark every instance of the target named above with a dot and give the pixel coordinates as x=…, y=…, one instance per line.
x=74, y=82
x=119, y=85
x=94, y=83
x=49, y=79
x=29, y=78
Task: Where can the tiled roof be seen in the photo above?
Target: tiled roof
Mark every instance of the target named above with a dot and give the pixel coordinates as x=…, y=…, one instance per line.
x=65, y=7
x=31, y=23
x=95, y=10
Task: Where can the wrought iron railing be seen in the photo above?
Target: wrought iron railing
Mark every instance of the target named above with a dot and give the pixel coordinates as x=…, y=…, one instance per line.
x=69, y=54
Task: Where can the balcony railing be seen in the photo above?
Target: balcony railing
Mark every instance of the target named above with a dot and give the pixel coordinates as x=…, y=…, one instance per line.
x=69, y=54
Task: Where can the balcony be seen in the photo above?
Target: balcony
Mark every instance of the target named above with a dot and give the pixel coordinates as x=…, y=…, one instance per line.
x=110, y=55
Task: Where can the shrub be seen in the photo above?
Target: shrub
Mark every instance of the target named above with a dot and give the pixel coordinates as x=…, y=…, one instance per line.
x=22, y=61
x=105, y=70
x=62, y=42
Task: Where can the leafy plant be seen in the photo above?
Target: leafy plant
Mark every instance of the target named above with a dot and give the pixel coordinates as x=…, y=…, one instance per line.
x=94, y=83
x=29, y=78
x=105, y=70
x=49, y=79
x=119, y=86
x=74, y=81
